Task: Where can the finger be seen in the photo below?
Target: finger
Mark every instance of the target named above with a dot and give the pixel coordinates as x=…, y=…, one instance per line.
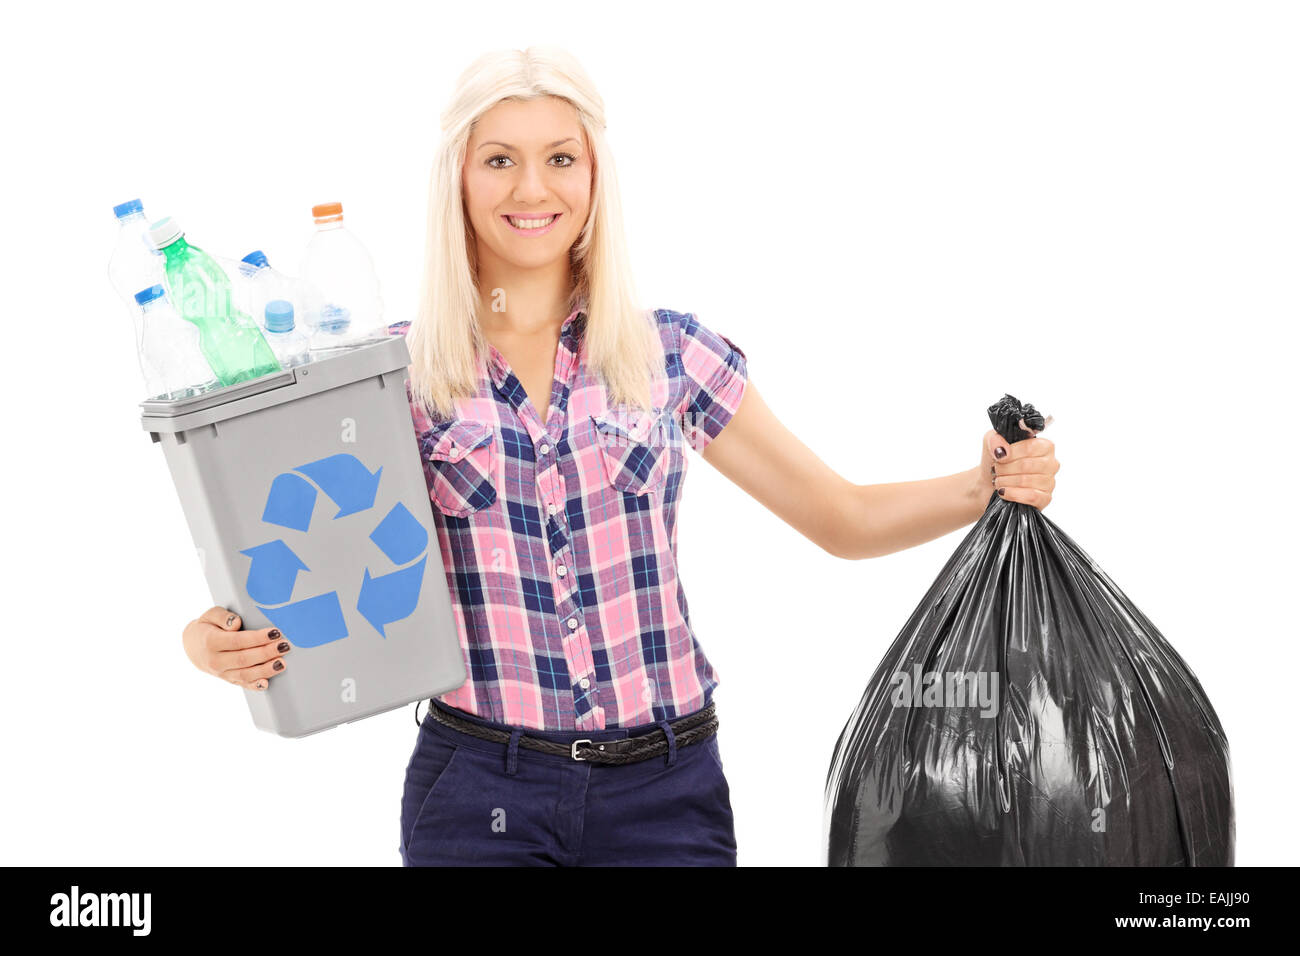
x=997, y=445
x=1026, y=466
x=238, y=640
x=260, y=683
x=223, y=618
x=1041, y=482
x=226, y=662
x=1029, y=496
x=249, y=676
x=1029, y=448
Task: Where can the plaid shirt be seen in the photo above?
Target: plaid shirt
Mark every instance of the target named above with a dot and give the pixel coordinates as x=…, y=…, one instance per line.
x=559, y=534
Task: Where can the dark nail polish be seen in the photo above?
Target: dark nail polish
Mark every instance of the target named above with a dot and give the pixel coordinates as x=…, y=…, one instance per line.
x=283, y=646
x=273, y=636
x=230, y=621
x=999, y=452
x=993, y=471
x=278, y=666
x=1002, y=492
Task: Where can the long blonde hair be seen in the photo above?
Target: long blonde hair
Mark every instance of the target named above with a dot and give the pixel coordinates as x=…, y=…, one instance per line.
x=445, y=340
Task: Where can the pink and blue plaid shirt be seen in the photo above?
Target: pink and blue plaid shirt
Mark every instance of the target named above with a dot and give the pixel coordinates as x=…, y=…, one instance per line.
x=558, y=533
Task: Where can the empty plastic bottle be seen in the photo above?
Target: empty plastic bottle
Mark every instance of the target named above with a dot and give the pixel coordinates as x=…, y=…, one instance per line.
x=343, y=302
x=239, y=274
x=135, y=264
x=287, y=342
x=201, y=292
x=265, y=284
x=333, y=332
x=170, y=354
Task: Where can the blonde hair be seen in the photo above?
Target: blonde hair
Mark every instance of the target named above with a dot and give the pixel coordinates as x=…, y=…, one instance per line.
x=446, y=343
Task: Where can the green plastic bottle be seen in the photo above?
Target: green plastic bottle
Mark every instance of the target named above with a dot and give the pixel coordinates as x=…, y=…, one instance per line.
x=200, y=291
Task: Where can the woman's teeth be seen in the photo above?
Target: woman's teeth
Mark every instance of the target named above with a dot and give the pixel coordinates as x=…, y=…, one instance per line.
x=531, y=223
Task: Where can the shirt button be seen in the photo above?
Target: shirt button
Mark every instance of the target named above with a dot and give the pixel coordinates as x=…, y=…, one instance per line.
x=545, y=449
x=551, y=509
x=584, y=683
x=573, y=623
x=561, y=570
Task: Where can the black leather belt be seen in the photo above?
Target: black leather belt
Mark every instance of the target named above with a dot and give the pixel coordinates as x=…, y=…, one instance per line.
x=687, y=730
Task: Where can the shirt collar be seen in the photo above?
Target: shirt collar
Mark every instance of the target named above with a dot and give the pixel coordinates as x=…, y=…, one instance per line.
x=571, y=331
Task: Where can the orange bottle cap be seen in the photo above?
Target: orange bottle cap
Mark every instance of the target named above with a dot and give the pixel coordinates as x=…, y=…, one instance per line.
x=327, y=211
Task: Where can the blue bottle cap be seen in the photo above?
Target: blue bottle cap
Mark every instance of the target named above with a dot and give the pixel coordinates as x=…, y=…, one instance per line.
x=335, y=319
x=127, y=208
x=279, y=316
x=256, y=258
x=145, y=296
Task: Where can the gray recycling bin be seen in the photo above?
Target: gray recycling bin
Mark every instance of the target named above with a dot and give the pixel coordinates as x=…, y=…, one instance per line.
x=305, y=496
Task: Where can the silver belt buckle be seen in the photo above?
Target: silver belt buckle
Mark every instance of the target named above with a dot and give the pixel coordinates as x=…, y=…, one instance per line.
x=573, y=749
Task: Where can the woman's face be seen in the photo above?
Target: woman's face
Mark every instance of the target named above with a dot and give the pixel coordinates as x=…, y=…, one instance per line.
x=527, y=181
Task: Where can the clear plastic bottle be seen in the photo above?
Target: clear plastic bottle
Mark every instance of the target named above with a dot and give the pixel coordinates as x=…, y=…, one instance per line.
x=135, y=264
x=201, y=293
x=170, y=355
x=343, y=304
x=266, y=284
x=241, y=283
x=287, y=342
x=333, y=332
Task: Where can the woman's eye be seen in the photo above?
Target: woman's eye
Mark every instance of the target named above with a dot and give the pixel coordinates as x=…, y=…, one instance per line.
x=502, y=161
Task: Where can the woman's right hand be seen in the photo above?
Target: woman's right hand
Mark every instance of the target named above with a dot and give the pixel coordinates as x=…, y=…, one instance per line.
x=217, y=645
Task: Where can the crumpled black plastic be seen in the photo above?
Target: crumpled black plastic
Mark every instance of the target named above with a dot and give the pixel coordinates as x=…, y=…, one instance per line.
x=1100, y=748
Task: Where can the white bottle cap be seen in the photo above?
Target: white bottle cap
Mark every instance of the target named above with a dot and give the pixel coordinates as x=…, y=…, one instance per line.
x=165, y=231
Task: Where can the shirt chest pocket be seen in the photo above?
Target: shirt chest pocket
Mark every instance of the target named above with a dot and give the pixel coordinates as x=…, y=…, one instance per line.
x=461, y=466
x=636, y=448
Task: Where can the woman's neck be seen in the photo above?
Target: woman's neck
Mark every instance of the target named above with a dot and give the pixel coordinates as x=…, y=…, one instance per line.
x=515, y=301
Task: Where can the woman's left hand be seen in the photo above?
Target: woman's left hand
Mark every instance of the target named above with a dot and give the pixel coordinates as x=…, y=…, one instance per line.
x=1023, y=471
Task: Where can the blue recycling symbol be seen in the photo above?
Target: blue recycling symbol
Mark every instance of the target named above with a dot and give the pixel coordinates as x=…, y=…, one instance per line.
x=273, y=567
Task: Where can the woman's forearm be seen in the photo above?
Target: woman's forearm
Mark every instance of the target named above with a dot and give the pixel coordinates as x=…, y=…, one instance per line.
x=881, y=519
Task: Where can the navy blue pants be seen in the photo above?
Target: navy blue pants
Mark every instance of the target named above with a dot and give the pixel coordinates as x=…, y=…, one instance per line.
x=469, y=801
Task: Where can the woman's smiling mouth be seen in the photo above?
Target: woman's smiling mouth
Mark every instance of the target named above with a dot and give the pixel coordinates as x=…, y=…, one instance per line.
x=533, y=224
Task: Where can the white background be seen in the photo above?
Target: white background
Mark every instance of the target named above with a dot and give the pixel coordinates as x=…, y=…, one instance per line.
x=899, y=211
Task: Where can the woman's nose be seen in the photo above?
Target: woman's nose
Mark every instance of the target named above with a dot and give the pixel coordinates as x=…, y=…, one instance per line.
x=529, y=186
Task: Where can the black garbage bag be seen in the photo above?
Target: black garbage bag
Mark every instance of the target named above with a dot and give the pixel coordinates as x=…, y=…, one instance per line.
x=1029, y=715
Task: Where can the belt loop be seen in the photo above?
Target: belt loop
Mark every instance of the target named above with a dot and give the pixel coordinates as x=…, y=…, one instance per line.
x=512, y=751
x=672, y=741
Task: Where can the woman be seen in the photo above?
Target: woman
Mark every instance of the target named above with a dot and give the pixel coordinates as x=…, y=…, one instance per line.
x=553, y=415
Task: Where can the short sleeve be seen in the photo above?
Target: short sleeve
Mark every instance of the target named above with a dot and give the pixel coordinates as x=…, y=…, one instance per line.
x=715, y=371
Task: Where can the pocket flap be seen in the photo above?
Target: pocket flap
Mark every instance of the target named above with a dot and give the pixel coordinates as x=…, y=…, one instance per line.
x=632, y=423
x=457, y=440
